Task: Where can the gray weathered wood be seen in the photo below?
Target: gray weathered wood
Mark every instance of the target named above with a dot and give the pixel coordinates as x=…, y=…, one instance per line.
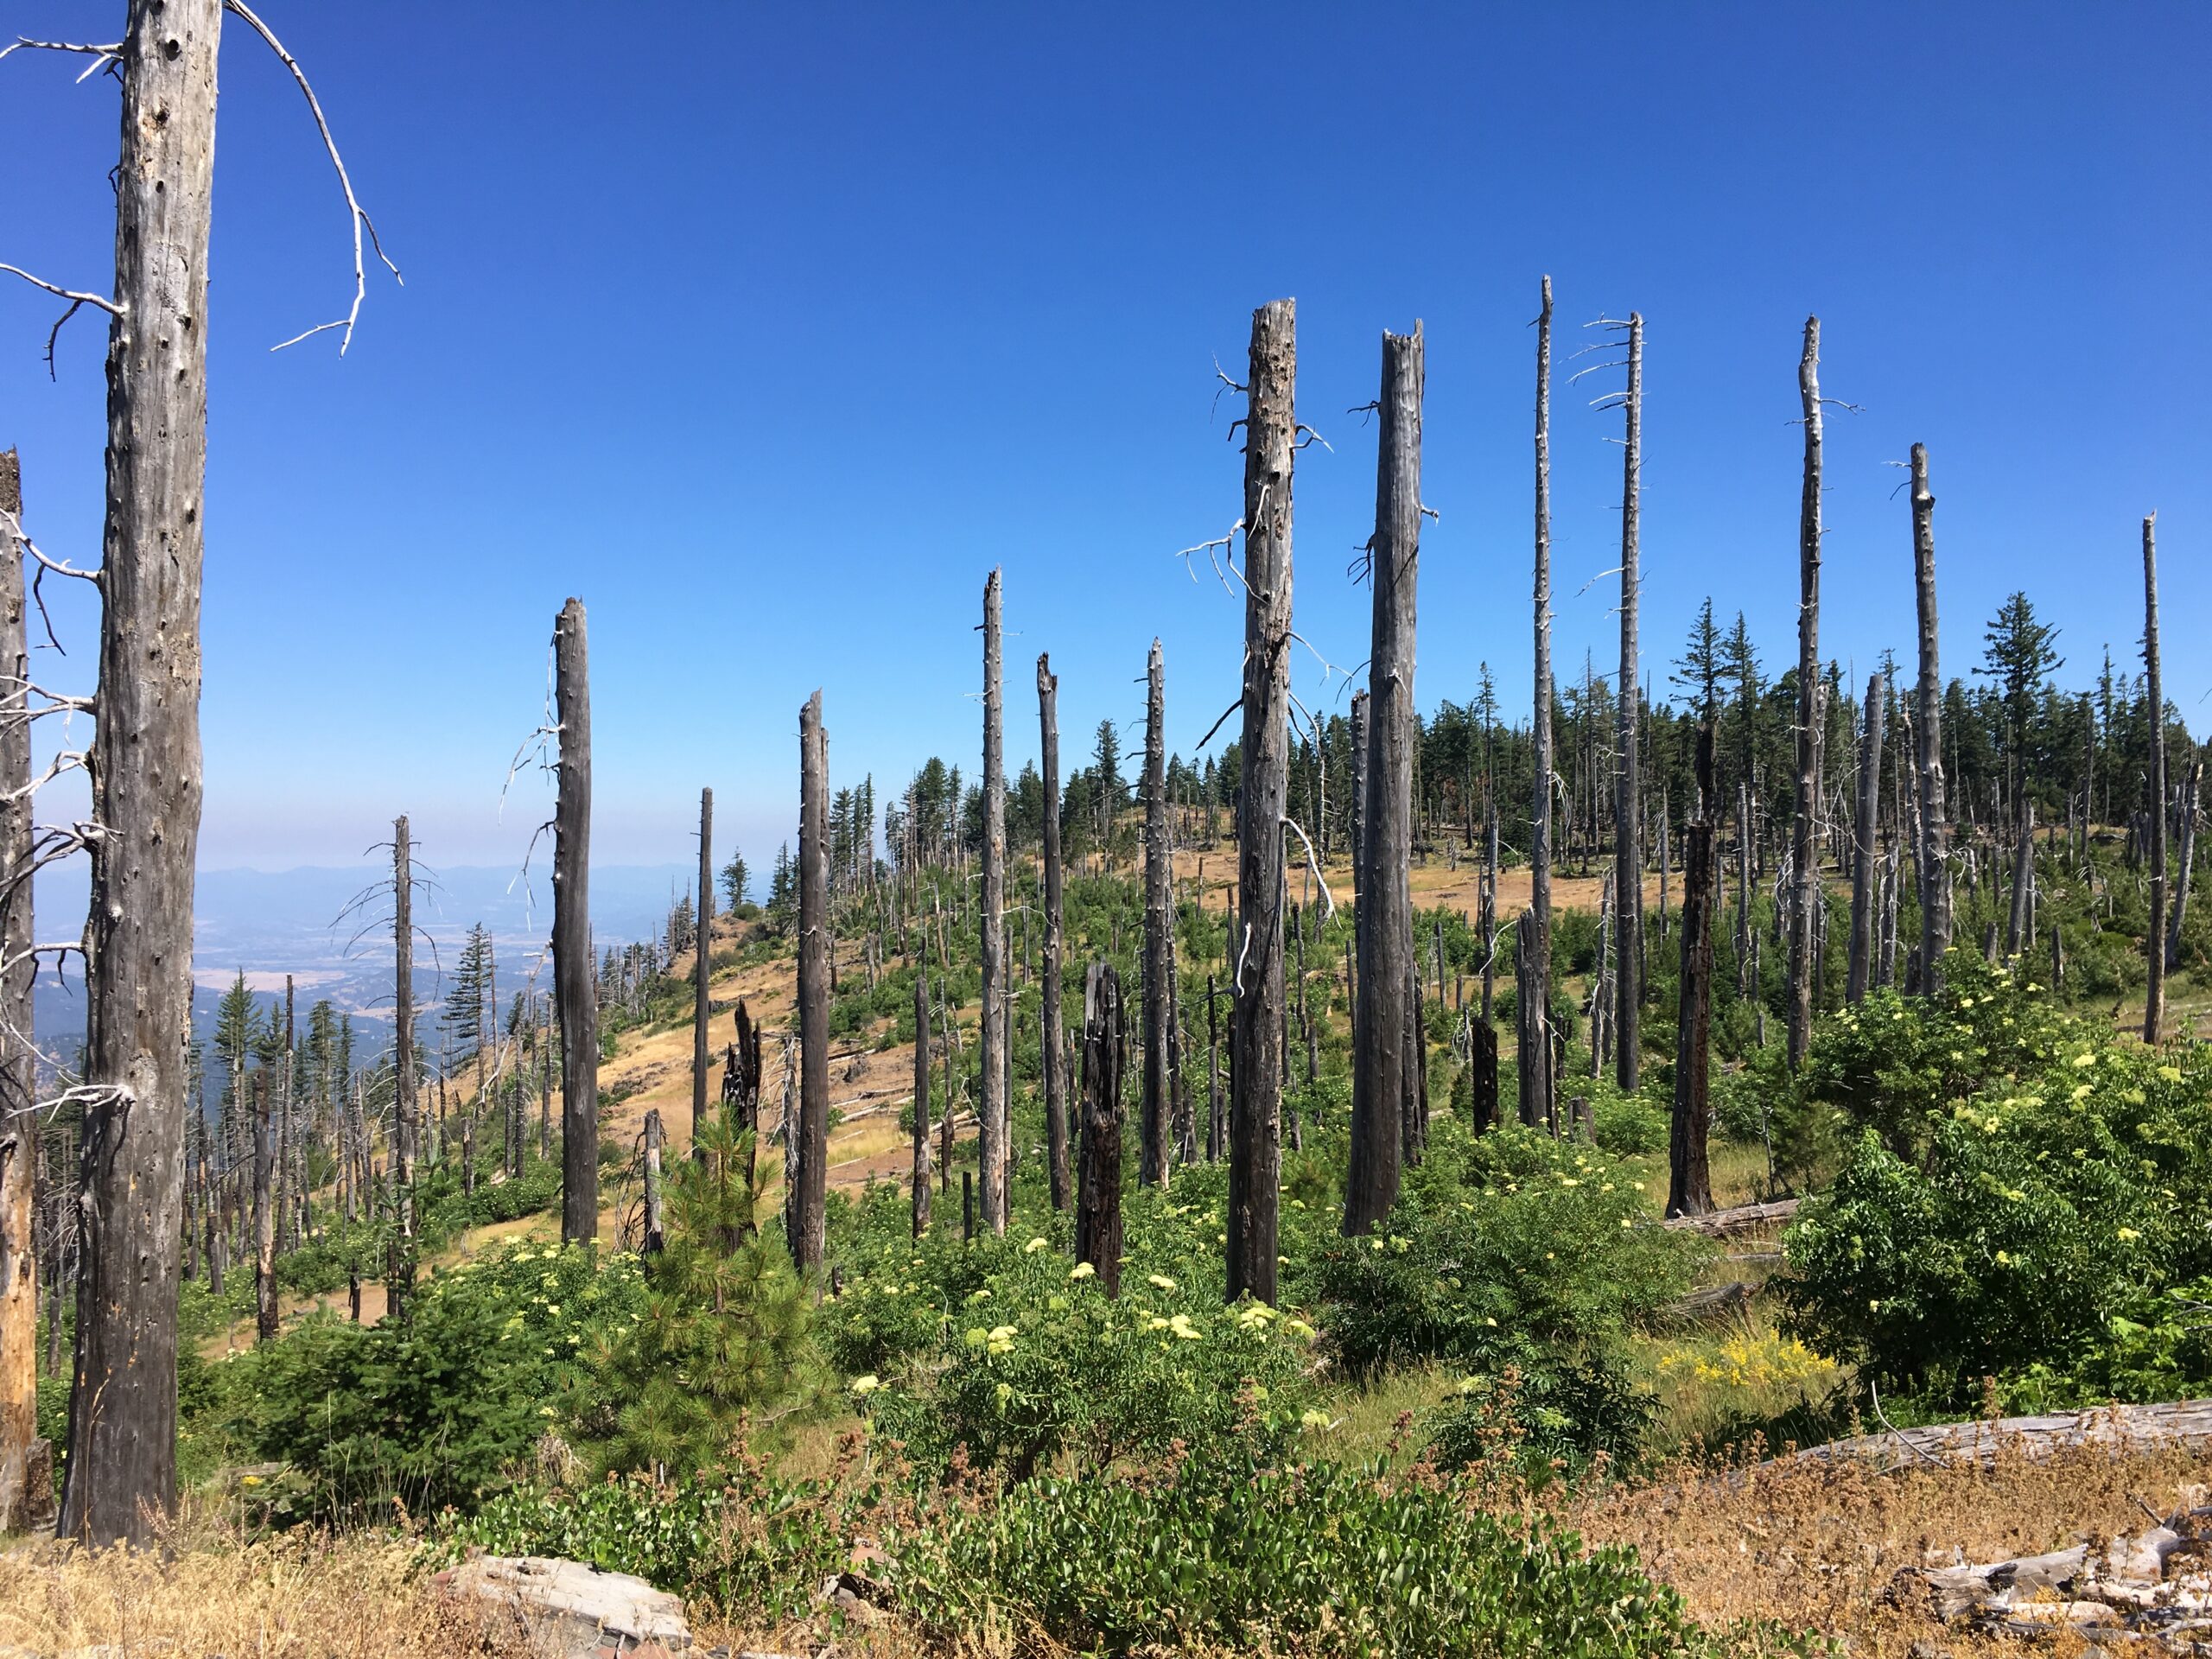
x=264, y=1213
x=1935, y=811
x=921, y=1173
x=810, y=1191
x=1055, y=1039
x=1744, y=1218
x=1532, y=971
x=992, y=1142
x=2154, y=1000
x=575, y=974
x=1256, y=966
x=146, y=784
x=1385, y=1064
x=20, y=1447
x=2186, y=857
x=703, y=968
x=1152, y=1139
x=1864, y=826
x=656, y=1232
x=1628, y=795
x=1804, y=841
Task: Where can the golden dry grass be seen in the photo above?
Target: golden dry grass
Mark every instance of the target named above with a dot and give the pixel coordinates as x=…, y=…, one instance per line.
x=293, y=1594
x=1817, y=1546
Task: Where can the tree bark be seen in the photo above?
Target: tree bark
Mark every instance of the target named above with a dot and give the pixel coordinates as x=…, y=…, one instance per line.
x=576, y=974
x=1689, y=1184
x=702, y=970
x=264, y=1213
x=1804, y=843
x=1533, y=974
x=1256, y=971
x=1153, y=1144
x=656, y=1235
x=2186, y=858
x=921, y=1191
x=1098, y=1200
x=1628, y=798
x=23, y=1455
x=809, y=1190
x=146, y=785
x=1055, y=1040
x=2154, y=1002
x=991, y=1137
x=1385, y=1066
x=2019, y=923
x=1935, y=812
x=1865, y=828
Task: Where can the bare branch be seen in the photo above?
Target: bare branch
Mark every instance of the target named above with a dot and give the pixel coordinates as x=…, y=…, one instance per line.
x=361, y=221
x=100, y=55
x=1315, y=864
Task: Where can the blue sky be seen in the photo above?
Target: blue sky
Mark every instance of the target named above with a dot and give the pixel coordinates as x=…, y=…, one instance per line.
x=769, y=331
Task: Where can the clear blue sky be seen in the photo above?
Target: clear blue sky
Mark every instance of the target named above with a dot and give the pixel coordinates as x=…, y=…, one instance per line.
x=769, y=331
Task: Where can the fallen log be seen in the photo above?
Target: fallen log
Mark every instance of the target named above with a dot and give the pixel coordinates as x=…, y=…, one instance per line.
x=1714, y=1303
x=1744, y=1218
x=2174, y=1423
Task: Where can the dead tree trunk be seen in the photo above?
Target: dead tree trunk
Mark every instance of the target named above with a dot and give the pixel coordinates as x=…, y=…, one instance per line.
x=146, y=784
x=1384, y=1063
x=1934, y=814
x=1628, y=797
x=702, y=970
x=406, y=1113
x=264, y=1213
x=1357, y=804
x=1256, y=975
x=655, y=1233
x=921, y=1192
x=2154, y=1002
x=1055, y=1049
x=1533, y=972
x=811, y=1138
x=2187, y=859
x=1689, y=1183
x=2020, y=920
x=576, y=974
x=1153, y=1140
x=1098, y=1197
x=991, y=1136
x=1865, y=828
x=25, y=1461
x=1804, y=842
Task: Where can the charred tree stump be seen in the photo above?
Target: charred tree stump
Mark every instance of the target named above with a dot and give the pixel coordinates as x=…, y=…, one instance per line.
x=1098, y=1194
x=1689, y=1185
x=1865, y=830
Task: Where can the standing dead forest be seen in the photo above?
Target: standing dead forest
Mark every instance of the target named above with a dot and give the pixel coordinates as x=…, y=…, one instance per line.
x=1691, y=1167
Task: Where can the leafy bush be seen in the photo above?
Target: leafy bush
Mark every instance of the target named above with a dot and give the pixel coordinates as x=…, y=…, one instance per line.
x=2042, y=1208
x=436, y=1407
x=1230, y=1551
x=1512, y=1251
x=1038, y=1362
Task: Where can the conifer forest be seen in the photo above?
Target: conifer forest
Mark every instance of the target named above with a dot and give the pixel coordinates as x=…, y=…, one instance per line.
x=1701, y=1148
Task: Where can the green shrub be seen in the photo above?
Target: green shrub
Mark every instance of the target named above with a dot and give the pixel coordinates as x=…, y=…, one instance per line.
x=1511, y=1251
x=1233, y=1552
x=2041, y=1208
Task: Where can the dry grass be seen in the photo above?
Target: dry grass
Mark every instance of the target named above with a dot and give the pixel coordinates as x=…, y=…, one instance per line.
x=333, y=1599
x=1817, y=1546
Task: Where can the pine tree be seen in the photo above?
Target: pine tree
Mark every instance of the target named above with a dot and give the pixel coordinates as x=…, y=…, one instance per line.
x=737, y=880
